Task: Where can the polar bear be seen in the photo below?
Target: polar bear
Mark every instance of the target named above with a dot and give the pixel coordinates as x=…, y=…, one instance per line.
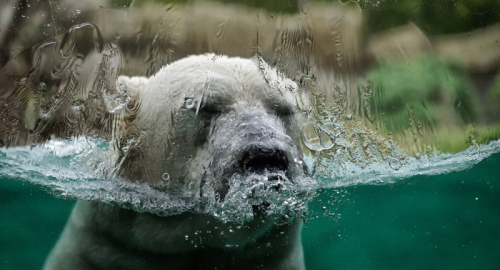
x=203, y=120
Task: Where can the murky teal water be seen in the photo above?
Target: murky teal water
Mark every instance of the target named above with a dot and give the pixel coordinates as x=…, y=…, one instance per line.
x=448, y=221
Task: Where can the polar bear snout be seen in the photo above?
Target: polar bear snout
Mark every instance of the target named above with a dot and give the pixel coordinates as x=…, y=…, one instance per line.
x=259, y=159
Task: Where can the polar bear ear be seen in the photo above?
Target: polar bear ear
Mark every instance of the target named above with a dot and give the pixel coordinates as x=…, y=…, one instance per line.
x=131, y=86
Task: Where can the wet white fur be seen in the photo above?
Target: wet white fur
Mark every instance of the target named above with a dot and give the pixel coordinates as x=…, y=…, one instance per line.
x=166, y=136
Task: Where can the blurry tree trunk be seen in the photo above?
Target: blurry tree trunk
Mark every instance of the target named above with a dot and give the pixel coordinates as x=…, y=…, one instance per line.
x=7, y=14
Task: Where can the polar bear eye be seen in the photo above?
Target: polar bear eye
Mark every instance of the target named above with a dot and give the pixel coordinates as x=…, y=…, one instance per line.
x=283, y=109
x=214, y=105
x=211, y=108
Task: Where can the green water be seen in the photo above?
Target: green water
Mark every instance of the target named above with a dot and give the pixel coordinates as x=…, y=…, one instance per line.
x=449, y=221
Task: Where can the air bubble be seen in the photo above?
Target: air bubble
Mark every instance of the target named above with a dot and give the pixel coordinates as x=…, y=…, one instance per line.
x=165, y=176
x=329, y=132
x=189, y=103
x=319, y=138
x=311, y=137
x=349, y=117
x=395, y=163
x=327, y=141
x=123, y=87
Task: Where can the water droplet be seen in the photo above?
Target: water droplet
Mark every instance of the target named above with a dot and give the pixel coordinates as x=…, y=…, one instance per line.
x=189, y=103
x=311, y=137
x=320, y=137
x=165, y=176
x=123, y=87
x=329, y=132
x=395, y=163
x=327, y=141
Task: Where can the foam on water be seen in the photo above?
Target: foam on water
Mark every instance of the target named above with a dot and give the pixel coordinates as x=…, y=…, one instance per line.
x=74, y=169
x=341, y=173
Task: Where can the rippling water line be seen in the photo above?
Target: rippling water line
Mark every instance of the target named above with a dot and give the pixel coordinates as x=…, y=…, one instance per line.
x=383, y=173
x=72, y=169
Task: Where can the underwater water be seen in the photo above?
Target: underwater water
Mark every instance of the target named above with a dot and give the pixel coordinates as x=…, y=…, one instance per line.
x=446, y=221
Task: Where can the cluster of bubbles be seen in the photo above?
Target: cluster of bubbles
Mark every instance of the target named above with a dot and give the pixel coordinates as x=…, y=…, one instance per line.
x=320, y=137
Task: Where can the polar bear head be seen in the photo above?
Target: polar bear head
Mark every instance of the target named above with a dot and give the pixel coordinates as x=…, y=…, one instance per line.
x=205, y=123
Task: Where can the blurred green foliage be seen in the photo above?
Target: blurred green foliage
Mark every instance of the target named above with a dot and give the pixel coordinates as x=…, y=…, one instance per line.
x=433, y=17
x=434, y=100
x=494, y=94
x=421, y=92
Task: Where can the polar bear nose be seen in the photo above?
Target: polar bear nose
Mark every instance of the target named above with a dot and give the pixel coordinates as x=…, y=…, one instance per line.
x=260, y=159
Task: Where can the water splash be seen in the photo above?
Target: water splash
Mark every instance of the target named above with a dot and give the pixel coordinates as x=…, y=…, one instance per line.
x=74, y=169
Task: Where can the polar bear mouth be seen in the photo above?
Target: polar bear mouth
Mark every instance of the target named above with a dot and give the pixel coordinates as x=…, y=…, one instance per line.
x=261, y=171
x=259, y=160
